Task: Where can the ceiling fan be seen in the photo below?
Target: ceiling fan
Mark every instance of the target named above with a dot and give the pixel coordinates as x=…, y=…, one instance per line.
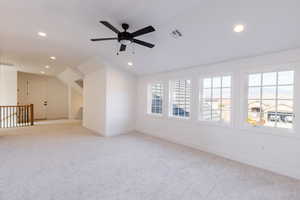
x=126, y=38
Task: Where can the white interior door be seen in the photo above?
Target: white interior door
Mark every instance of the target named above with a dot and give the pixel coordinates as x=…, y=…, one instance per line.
x=37, y=95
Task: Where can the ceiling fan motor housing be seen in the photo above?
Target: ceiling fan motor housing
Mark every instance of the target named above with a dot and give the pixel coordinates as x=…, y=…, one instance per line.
x=125, y=36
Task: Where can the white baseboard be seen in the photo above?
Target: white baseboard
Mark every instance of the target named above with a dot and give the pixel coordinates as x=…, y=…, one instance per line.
x=286, y=171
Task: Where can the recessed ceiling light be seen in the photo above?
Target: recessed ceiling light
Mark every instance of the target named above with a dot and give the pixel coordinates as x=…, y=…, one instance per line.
x=42, y=72
x=239, y=28
x=130, y=63
x=47, y=66
x=42, y=34
x=53, y=58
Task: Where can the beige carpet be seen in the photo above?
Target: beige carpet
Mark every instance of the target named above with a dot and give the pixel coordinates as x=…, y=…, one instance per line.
x=67, y=162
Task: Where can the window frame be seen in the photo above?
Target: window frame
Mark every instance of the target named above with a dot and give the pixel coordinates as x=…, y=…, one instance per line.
x=149, y=99
x=170, y=90
x=267, y=129
x=199, y=99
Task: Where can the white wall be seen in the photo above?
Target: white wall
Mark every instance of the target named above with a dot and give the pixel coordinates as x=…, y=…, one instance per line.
x=57, y=97
x=75, y=104
x=273, y=150
x=109, y=98
x=8, y=85
x=69, y=76
x=121, y=101
x=94, y=100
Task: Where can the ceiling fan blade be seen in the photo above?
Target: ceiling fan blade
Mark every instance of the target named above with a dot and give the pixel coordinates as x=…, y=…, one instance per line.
x=123, y=47
x=146, y=44
x=143, y=31
x=111, y=27
x=102, y=39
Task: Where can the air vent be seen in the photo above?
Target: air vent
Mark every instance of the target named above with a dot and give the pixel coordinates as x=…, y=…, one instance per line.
x=176, y=34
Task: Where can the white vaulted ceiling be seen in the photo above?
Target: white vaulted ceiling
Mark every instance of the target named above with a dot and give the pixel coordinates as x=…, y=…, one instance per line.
x=206, y=27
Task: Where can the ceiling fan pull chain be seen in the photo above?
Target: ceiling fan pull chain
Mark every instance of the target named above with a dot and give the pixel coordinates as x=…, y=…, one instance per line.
x=133, y=49
x=117, y=49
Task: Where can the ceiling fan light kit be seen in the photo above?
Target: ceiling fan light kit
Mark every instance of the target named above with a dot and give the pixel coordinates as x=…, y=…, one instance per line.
x=126, y=38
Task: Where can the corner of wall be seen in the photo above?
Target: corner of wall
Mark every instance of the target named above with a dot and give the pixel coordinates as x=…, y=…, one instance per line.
x=8, y=85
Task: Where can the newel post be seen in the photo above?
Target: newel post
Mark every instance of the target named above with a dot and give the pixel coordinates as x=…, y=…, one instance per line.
x=31, y=115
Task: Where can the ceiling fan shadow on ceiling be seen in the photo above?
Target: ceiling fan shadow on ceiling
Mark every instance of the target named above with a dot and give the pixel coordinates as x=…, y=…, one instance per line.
x=125, y=38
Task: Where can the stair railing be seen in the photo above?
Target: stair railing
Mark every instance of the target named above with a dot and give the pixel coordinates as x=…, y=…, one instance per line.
x=16, y=116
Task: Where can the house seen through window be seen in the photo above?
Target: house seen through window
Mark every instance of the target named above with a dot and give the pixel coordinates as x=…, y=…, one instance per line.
x=271, y=99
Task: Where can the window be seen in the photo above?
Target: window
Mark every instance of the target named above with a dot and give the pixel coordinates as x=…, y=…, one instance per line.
x=215, y=99
x=270, y=99
x=180, y=98
x=156, y=98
